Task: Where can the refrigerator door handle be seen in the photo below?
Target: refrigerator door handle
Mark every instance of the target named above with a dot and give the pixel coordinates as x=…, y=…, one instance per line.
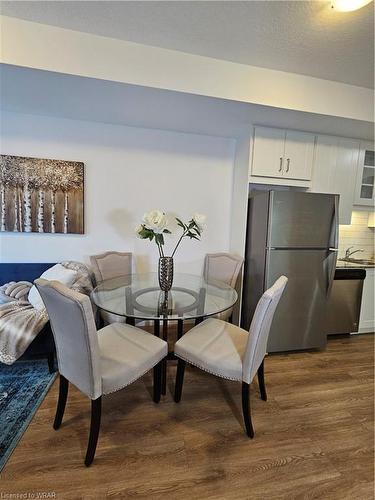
x=331, y=269
x=334, y=239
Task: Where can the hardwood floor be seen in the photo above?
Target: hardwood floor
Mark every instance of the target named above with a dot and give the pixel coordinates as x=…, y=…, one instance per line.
x=313, y=437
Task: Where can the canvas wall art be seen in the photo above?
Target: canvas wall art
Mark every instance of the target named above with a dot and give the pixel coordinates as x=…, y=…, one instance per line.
x=41, y=195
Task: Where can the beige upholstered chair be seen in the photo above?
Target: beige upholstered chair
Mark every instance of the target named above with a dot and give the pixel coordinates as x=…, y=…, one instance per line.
x=223, y=267
x=230, y=352
x=96, y=362
x=110, y=265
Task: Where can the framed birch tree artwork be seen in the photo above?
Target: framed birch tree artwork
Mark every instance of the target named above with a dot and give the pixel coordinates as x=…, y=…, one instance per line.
x=41, y=196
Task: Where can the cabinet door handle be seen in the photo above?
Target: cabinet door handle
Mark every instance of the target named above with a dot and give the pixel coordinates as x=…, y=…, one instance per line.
x=287, y=164
x=281, y=164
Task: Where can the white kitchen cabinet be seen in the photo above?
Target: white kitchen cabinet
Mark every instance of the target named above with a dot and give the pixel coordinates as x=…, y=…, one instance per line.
x=335, y=169
x=298, y=155
x=367, y=316
x=268, y=152
x=282, y=154
x=365, y=192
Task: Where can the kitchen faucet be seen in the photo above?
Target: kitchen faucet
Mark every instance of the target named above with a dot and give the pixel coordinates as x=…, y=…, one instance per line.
x=348, y=253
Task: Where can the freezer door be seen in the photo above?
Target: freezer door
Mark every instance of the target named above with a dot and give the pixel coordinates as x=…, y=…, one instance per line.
x=299, y=321
x=302, y=220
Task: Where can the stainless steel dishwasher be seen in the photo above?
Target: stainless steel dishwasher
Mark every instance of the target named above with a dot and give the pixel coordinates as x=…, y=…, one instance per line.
x=344, y=303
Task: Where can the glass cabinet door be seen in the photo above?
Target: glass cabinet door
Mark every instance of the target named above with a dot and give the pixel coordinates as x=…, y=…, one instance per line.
x=365, y=175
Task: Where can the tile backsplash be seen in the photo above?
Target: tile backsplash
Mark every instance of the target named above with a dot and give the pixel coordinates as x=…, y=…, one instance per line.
x=357, y=235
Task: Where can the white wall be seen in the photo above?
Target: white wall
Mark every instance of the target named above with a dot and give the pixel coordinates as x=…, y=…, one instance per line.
x=127, y=172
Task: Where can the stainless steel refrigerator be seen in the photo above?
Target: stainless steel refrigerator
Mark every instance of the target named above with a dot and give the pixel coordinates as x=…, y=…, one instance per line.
x=296, y=234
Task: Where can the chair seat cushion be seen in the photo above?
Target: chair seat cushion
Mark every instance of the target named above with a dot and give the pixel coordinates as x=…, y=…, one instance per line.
x=126, y=353
x=215, y=346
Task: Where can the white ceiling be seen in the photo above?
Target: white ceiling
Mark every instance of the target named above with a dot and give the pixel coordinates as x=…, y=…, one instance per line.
x=26, y=90
x=305, y=37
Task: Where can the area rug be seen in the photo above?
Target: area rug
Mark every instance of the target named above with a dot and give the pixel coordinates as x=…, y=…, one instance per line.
x=23, y=387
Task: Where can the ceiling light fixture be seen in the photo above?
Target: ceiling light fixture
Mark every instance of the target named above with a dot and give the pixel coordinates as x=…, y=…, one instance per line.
x=349, y=5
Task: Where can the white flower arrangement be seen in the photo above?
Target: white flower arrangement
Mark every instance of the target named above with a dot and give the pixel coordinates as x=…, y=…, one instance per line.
x=154, y=226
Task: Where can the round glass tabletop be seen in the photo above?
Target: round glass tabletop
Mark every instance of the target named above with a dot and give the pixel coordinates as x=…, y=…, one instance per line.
x=139, y=296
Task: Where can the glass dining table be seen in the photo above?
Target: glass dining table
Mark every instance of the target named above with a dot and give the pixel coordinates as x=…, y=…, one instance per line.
x=138, y=297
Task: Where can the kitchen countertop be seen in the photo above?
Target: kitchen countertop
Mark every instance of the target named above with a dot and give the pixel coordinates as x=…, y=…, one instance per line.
x=342, y=264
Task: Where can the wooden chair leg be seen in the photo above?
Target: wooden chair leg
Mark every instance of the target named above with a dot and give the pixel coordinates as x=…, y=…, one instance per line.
x=63, y=394
x=96, y=411
x=51, y=362
x=262, y=385
x=179, y=380
x=246, y=409
x=164, y=377
x=157, y=382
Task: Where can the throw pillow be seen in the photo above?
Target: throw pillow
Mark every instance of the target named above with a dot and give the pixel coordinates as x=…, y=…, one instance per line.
x=55, y=273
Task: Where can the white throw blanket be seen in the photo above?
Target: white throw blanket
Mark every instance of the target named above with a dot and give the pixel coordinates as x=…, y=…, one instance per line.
x=20, y=323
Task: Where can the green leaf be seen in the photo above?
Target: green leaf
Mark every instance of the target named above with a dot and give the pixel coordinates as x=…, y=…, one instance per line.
x=192, y=236
x=181, y=224
x=159, y=238
x=167, y=231
x=145, y=233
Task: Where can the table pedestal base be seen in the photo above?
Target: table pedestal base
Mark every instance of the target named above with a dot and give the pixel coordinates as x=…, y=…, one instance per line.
x=170, y=356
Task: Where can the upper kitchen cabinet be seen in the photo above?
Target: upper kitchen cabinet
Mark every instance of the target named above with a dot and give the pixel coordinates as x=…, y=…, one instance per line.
x=365, y=194
x=282, y=154
x=298, y=155
x=335, y=169
x=268, y=152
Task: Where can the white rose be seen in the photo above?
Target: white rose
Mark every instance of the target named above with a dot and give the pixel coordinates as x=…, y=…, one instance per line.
x=138, y=230
x=200, y=221
x=155, y=220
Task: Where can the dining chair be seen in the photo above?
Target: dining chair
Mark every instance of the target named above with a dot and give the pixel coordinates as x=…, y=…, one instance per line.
x=96, y=362
x=110, y=265
x=230, y=352
x=224, y=267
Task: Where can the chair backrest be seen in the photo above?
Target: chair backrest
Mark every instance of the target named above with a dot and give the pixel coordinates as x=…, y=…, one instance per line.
x=223, y=267
x=74, y=331
x=260, y=328
x=110, y=265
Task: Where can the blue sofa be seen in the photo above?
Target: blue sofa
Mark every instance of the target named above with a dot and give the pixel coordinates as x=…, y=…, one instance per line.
x=43, y=345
